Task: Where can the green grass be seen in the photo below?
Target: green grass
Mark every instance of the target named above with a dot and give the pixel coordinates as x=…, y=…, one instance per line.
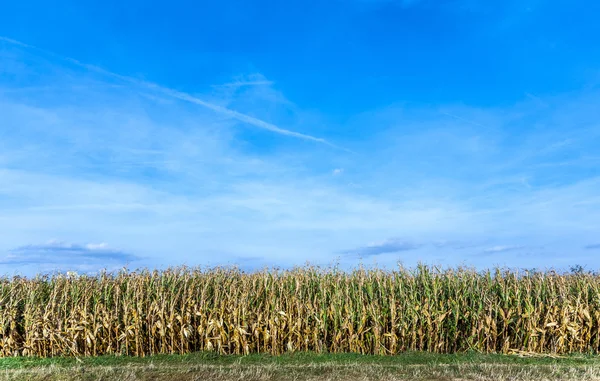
x=408, y=358
x=303, y=366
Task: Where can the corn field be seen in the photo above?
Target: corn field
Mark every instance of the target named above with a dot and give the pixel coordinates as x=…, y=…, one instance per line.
x=307, y=309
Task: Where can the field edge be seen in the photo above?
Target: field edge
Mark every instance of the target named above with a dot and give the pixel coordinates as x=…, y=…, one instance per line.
x=303, y=366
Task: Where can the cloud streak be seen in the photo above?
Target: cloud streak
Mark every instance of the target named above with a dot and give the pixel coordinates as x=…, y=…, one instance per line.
x=501, y=249
x=182, y=96
x=388, y=246
x=63, y=256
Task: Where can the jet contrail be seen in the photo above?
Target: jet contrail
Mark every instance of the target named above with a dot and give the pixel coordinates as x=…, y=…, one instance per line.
x=181, y=95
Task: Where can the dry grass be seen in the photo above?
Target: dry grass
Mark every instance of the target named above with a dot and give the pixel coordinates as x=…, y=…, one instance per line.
x=309, y=372
x=309, y=309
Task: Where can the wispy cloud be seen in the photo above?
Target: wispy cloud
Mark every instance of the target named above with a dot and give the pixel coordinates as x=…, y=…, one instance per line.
x=455, y=245
x=14, y=42
x=595, y=246
x=393, y=245
x=501, y=249
x=63, y=256
x=462, y=119
x=247, y=81
x=182, y=96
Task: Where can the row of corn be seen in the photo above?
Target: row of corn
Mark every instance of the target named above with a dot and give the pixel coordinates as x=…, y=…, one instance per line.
x=306, y=309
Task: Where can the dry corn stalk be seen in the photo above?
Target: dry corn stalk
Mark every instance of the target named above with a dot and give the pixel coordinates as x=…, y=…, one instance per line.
x=309, y=309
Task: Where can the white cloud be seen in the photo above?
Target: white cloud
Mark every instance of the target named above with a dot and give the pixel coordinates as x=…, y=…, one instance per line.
x=501, y=249
x=393, y=245
x=64, y=256
x=96, y=246
x=255, y=79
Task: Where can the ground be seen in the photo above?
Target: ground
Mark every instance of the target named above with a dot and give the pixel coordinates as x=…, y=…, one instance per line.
x=304, y=367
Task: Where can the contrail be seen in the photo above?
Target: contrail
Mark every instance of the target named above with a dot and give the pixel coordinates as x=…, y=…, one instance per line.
x=15, y=42
x=180, y=95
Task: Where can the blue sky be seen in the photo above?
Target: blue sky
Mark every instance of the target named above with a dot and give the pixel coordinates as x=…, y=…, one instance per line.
x=257, y=133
